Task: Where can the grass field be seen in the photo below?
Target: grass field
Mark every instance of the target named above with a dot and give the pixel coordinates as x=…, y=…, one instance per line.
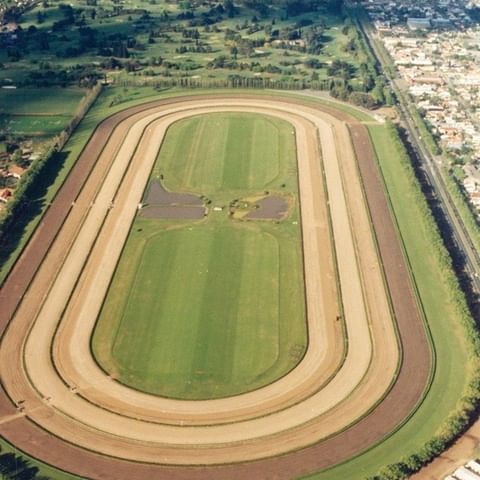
x=40, y=101
x=443, y=320
x=210, y=308
x=37, y=111
x=31, y=125
x=239, y=158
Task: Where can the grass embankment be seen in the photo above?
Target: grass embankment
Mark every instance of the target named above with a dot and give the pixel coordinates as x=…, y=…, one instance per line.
x=213, y=307
x=462, y=203
x=446, y=313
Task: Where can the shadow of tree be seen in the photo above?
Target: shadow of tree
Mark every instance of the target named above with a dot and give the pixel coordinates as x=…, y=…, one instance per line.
x=33, y=204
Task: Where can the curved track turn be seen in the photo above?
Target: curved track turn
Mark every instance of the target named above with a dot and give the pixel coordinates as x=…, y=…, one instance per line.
x=61, y=390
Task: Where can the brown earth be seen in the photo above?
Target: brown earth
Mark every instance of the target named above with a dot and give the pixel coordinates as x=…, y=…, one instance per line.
x=272, y=207
x=390, y=412
x=157, y=195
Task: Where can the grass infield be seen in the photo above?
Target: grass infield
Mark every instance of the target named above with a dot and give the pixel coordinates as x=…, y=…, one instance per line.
x=210, y=308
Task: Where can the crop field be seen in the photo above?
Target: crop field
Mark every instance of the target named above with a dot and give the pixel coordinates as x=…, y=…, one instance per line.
x=33, y=125
x=209, y=338
x=242, y=288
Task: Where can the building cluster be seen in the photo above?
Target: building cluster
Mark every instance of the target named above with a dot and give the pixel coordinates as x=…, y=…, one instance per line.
x=435, y=47
x=8, y=6
x=470, y=471
x=12, y=168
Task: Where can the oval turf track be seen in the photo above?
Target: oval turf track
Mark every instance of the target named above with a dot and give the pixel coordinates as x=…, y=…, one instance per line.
x=67, y=402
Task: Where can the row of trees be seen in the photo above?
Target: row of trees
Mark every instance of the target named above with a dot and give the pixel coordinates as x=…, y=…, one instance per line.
x=232, y=81
x=16, y=467
x=12, y=217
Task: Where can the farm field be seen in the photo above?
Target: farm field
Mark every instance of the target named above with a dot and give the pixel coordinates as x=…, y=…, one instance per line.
x=209, y=338
x=172, y=235
x=40, y=101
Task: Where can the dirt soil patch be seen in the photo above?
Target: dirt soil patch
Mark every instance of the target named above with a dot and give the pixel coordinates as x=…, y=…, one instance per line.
x=268, y=208
x=157, y=195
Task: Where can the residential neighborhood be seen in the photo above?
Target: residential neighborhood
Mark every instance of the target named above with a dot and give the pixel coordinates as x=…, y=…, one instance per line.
x=14, y=163
x=435, y=48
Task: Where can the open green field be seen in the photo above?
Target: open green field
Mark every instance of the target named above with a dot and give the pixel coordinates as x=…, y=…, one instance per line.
x=40, y=101
x=30, y=125
x=217, y=154
x=210, y=308
x=37, y=111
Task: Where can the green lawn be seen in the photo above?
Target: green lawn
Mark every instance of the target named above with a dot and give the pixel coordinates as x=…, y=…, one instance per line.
x=36, y=101
x=33, y=125
x=210, y=308
x=443, y=320
x=228, y=154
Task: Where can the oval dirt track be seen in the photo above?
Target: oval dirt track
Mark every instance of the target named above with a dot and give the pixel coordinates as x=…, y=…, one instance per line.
x=101, y=415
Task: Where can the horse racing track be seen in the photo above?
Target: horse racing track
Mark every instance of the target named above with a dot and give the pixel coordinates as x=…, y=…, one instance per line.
x=197, y=341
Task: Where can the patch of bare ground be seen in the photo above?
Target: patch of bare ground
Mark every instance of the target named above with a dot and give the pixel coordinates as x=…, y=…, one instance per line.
x=272, y=207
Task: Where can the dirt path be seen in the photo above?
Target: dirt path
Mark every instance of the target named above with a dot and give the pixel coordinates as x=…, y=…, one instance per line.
x=361, y=380
x=463, y=450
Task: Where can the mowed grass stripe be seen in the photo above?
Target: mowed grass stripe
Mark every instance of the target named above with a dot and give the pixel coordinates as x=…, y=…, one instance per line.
x=237, y=152
x=210, y=308
x=258, y=309
x=219, y=307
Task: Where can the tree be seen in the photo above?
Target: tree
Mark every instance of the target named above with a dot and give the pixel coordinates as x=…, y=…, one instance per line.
x=229, y=8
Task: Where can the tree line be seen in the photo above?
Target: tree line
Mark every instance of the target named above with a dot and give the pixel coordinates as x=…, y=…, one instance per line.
x=13, y=217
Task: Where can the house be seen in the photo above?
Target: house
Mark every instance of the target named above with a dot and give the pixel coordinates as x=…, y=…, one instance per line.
x=5, y=194
x=15, y=171
x=470, y=185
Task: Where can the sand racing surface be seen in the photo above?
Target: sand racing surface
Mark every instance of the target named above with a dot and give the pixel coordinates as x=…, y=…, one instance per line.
x=346, y=394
